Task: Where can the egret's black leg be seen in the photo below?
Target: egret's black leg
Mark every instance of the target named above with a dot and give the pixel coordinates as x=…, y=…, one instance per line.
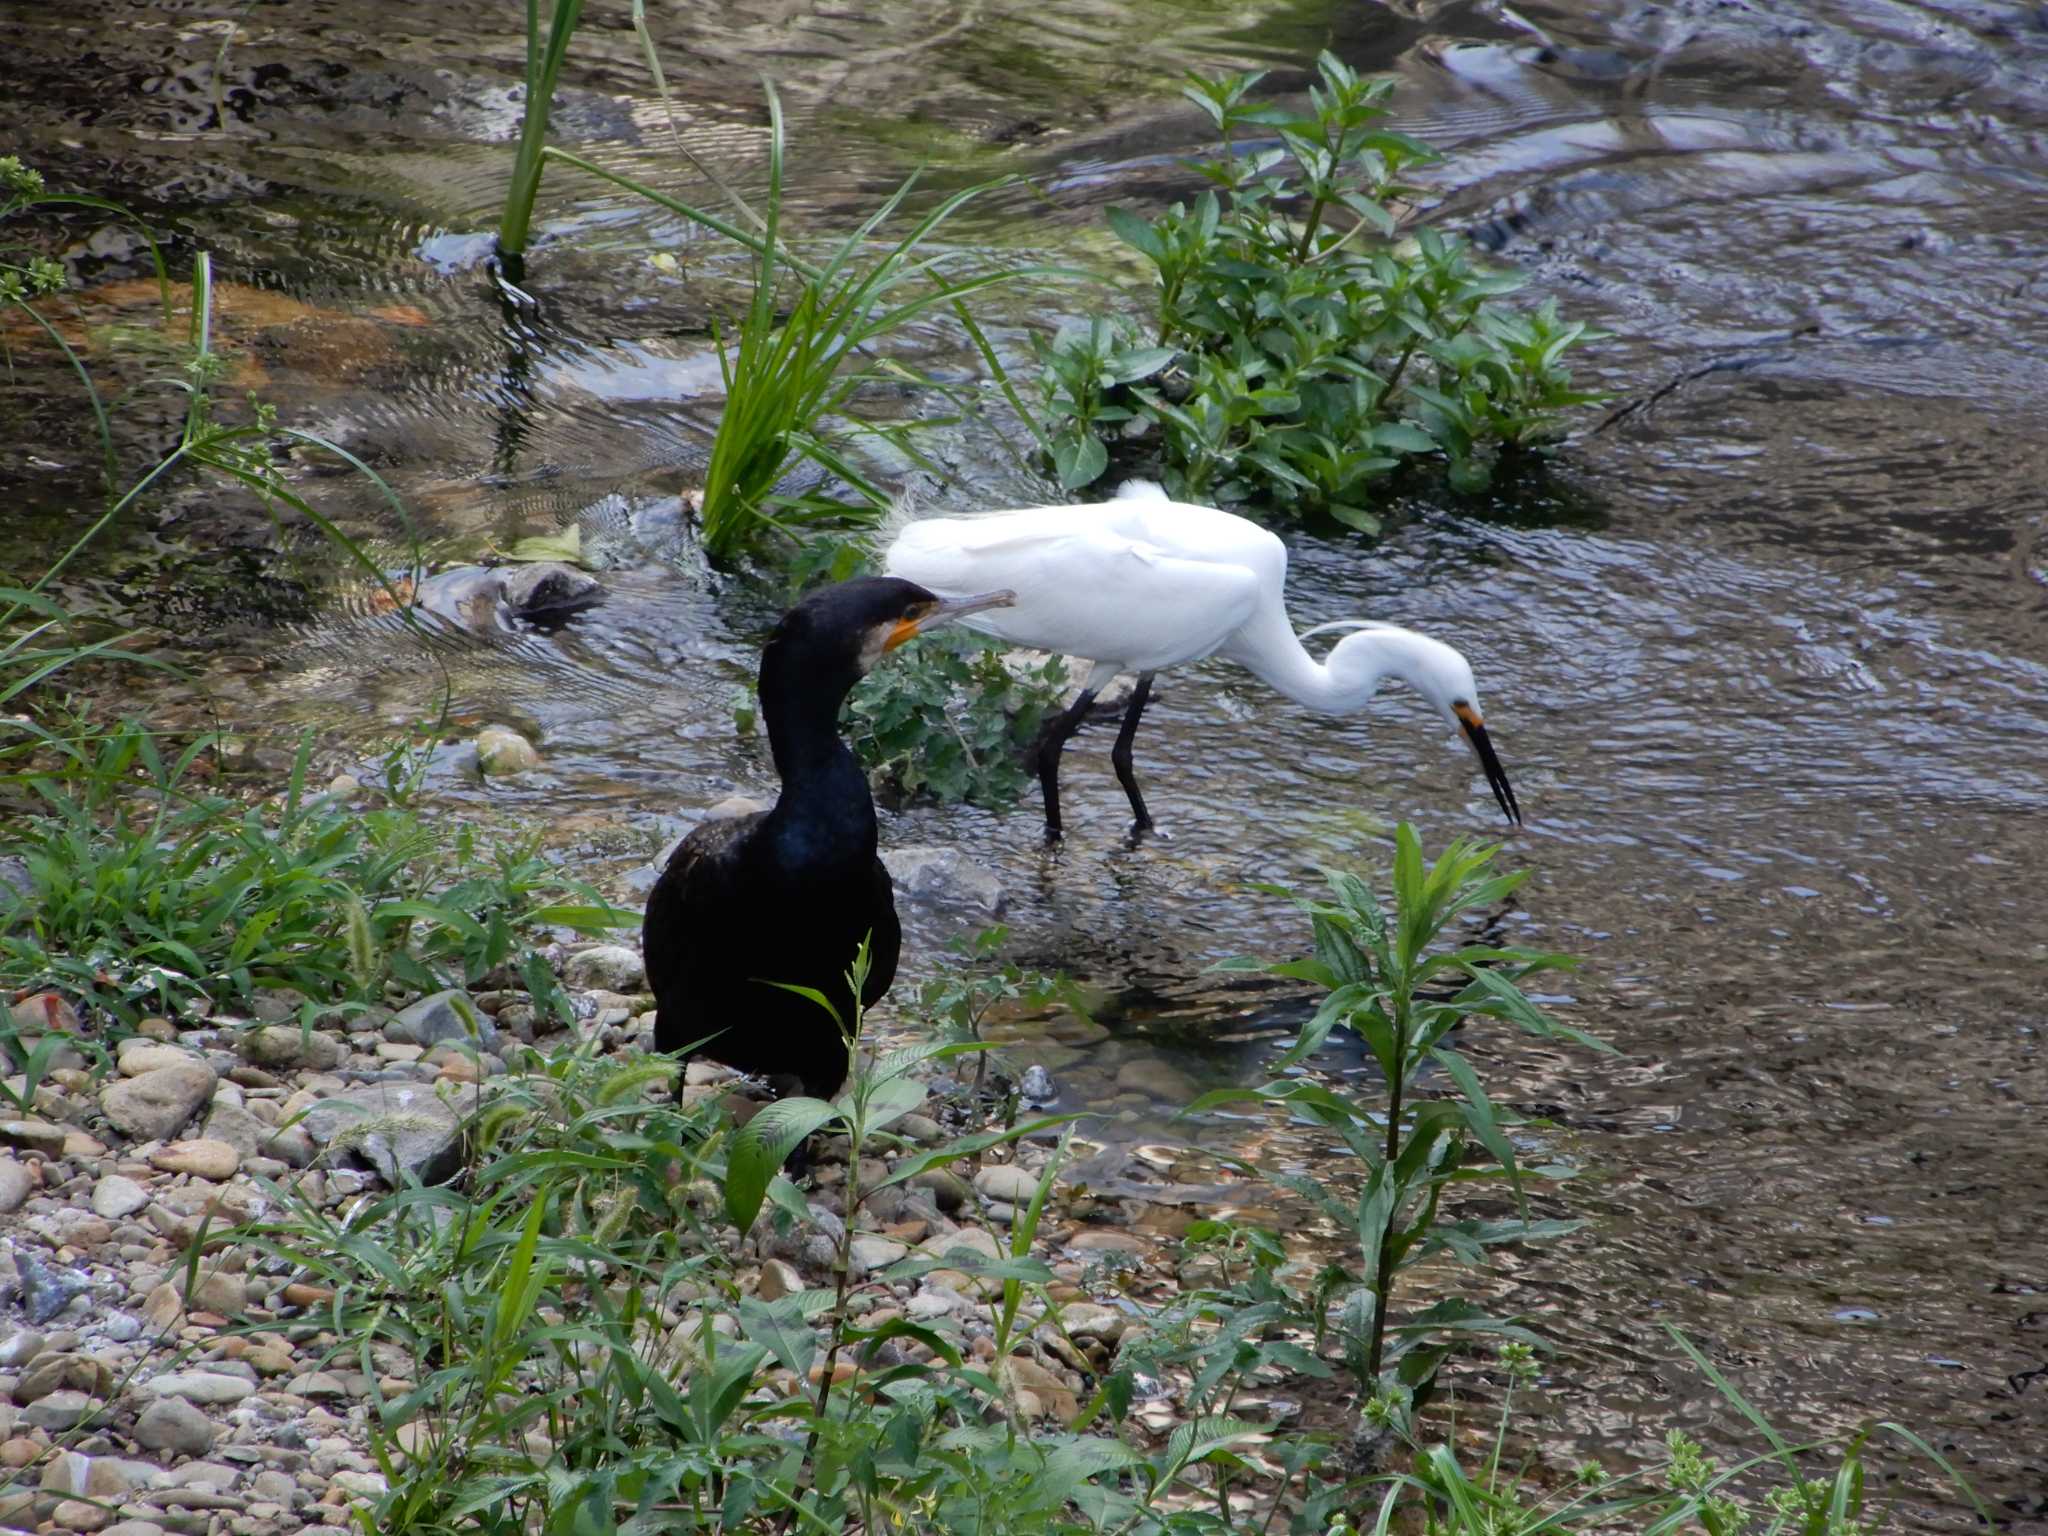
x=1121, y=756
x=1052, y=741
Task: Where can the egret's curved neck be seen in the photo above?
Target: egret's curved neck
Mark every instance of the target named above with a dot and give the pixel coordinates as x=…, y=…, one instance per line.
x=1340, y=685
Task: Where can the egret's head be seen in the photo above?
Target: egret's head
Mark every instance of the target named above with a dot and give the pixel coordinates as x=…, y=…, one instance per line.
x=1444, y=677
x=1441, y=675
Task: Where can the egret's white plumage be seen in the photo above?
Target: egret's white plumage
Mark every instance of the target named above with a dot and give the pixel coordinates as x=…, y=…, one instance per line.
x=1142, y=583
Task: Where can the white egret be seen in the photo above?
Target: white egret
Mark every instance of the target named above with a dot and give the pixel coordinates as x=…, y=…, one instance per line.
x=1142, y=583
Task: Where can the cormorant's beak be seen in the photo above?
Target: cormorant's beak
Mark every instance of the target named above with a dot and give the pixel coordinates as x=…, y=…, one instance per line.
x=946, y=610
x=1496, y=776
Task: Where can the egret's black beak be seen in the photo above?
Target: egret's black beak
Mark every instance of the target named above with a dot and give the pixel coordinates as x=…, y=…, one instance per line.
x=945, y=611
x=1496, y=776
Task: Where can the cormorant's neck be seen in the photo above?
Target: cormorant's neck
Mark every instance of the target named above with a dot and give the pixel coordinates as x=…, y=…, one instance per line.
x=825, y=812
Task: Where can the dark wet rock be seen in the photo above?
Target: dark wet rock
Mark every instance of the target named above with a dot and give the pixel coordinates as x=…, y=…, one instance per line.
x=401, y=1129
x=944, y=877
x=46, y=1288
x=503, y=597
x=547, y=590
x=442, y=1017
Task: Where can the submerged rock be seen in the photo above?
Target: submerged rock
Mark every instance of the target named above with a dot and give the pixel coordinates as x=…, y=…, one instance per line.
x=501, y=750
x=506, y=596
x=944, y=877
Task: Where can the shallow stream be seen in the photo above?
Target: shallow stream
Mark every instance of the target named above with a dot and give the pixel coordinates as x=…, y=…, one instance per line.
x=1767, y=653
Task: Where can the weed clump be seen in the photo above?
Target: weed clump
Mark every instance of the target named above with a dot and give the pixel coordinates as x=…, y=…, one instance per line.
x=1303, y=347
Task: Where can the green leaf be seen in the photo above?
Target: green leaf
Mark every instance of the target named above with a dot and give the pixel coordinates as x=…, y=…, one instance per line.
x=761, y=1147
x=1079, y=460
x=780, y=1328
x=1135, y=232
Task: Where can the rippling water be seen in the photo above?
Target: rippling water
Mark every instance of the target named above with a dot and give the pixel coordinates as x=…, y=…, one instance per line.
x=1768, y=658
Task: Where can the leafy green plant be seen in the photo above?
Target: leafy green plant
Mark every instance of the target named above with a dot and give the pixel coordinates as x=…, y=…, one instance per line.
x=1302, y=351
x=1385, y=973
x=950, y=717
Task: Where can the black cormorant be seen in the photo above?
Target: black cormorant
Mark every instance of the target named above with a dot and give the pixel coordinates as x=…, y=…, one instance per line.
x=787, y=894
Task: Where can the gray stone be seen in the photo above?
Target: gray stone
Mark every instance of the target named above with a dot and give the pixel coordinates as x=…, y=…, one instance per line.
x=157, y=1104
x=501, y=750
x=116, y=1196
x=441, y=1017
x=200, y=1387
x=947, y=1191
x=46, y=1288
x=172, y=1424
x=20, y=1347
x=59, y=1411
x=1006, y=1181
x=1037, y=1086
x=871, y=1253
x=944, y=877
x=399, y=1129
x=17, y=1182
x=610, y=967
x=33, y=1136
x=234, y=1126
x=287, y=1045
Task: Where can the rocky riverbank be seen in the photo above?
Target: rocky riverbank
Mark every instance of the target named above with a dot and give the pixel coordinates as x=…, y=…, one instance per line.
x=161, y=1372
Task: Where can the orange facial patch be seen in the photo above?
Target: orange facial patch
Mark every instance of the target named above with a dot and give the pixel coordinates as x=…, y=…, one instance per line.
x=905, y=629
x=1468, y=714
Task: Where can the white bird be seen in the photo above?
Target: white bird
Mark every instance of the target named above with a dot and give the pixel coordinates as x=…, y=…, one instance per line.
x=1142, y=583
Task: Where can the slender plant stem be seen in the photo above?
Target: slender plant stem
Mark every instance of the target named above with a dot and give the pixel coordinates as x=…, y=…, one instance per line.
x=1386, y=1243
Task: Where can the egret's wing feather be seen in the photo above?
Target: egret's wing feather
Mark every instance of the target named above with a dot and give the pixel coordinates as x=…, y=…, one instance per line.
x=1084, y=588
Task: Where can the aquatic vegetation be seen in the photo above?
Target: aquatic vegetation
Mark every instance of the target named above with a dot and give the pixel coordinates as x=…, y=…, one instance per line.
x=1305, y=345
x=955, y=721
x=544, y=56
x=809, y=341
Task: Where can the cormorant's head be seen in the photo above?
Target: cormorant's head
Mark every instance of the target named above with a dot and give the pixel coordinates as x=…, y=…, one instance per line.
x=843, y=630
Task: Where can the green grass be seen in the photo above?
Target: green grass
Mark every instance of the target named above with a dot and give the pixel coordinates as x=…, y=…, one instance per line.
x=150, y=892
x=544, y=57
x=812, y=337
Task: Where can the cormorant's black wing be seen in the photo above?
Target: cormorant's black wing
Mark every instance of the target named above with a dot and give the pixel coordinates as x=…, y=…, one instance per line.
x=694, y=899
x=885, y=943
